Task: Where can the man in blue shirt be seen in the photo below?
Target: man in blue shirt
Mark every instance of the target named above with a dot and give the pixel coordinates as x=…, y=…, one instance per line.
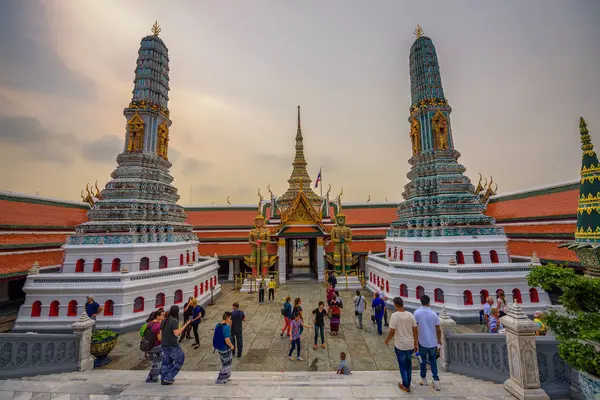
x=378, y=311
x=92, y=308
x=430, y=335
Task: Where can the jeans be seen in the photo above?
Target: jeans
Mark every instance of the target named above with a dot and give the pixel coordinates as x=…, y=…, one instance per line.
x=359, y=316
x=405, y=363
x=238, y=342
x=271, y=294
x=196, y=336
x=428, y=353
x=320, y=328
x=295, y=345
x=173, y=359
x=379, y=327
x=261, y=295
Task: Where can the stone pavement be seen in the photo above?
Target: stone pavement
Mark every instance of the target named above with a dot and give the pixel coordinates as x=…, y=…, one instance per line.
x=129, y=385
x=264, y=348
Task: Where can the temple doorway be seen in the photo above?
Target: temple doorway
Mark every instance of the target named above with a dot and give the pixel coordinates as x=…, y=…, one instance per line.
x=301, y=255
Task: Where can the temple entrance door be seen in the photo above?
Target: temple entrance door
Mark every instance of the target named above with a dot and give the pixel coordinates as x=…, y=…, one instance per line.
x=301, y=257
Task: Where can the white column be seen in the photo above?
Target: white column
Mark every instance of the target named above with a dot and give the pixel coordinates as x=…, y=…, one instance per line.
x=447, y=325
x=524, y=382
x=236, y=267
x=3, y=291
x=320, y=259
x=282, y=261
x=83, y=327
x=230, y=274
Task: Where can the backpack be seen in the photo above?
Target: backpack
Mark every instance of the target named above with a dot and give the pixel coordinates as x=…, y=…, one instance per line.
x=149, y=339
x=286, y=310
x=143, y=330
x=219, y=337
x=379, y=308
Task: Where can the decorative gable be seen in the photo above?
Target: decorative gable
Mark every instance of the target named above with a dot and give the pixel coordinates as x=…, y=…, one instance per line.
x=301, y=211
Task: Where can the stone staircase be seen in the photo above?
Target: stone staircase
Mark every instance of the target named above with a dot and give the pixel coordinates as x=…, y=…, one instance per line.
x=130, y=385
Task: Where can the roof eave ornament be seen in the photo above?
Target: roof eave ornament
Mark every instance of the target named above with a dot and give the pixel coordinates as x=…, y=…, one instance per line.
x=156, y=28
x=418, y=31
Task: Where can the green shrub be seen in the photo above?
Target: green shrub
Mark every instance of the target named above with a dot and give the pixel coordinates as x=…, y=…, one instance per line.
x=103, y=334
x=579, y=329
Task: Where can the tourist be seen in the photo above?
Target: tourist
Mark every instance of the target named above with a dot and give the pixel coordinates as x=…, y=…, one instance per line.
x=92, y=309
x=403, y=328
x=187, y=314
x=339, y=299
x=430, y=335
x=487, y=310
x=330, y=292
x=501, y=304
x=272, y=285
x=261, y=291
x=173, y=356
x=286, y=311
x=359, y=308
x=334, y=320
x=296, y=330
x=378, y=310
x=319, y=321
x=344, y=367
x=537, y=318
x=197, y=315
x=222, y=344
x=155, y=353
x=331, y=279
x=298, y=308
x=495, y=324
x=237, y=316
x=383, y=297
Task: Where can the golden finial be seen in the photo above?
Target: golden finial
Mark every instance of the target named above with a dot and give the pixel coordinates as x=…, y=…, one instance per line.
x=419, y=31
x=156, y=29
x=228, y=202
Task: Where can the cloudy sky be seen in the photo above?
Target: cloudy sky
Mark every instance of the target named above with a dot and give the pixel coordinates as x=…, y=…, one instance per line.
x=517, y=74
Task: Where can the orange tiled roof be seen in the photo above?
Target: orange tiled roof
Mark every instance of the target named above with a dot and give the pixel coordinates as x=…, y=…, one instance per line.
x=552, y=228
x=19, y=264
x=33, y=238
x=544, y=250
x=221, y=234
x=23, y=213
x=369, y=215
x=545, y=205
x=220, y=217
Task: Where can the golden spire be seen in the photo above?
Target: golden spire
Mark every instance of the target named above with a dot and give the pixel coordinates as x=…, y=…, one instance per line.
x=419, y=31
x=156, y=29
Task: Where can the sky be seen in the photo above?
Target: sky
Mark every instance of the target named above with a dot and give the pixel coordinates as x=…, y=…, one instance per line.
x=518, y=75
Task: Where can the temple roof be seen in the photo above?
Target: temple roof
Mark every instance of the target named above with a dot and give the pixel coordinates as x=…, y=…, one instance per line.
x=299, y=177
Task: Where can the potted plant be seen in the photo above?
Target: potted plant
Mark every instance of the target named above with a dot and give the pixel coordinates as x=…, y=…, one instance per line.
x=579, y=328
x=103, y=342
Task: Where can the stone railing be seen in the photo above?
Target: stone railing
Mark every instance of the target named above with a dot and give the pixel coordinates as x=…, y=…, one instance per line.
x=486, y=356
x=36, y=354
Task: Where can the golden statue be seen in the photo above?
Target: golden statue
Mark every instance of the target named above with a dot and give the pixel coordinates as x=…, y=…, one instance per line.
x=440, y=129
x=135, y=127
x=341, y=236
x=258, y=238
x=88, y=197
x=415, y=136
x=163, y=140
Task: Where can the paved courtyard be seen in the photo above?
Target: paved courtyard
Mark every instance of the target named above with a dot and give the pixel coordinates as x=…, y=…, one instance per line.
x=264, y=348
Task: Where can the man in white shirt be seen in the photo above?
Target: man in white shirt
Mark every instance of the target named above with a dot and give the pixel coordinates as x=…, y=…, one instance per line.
x=403, y=328
x=430, y=335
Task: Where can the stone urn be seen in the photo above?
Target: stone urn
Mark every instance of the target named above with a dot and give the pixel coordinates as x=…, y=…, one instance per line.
x=589, y=385
x=103, y=342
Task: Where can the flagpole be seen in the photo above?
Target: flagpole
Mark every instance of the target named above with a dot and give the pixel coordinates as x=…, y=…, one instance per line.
x=321, y=181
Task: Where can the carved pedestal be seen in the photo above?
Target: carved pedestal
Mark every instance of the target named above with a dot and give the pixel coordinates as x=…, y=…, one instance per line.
x=524, y=381
x=83, y=327
x=447, y=325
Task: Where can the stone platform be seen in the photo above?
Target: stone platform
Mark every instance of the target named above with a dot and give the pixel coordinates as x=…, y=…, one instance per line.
x=107, y=385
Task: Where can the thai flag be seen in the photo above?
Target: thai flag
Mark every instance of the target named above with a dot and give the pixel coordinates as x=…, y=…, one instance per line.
x=318, y=180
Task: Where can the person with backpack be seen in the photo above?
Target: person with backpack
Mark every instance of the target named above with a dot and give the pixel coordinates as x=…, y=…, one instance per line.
x=359, y=308
x=151, y=345
x=197, y=315
x=378, y=311
x=187, y=314
x=173, y=356
x=222, y=344
x=286, y=311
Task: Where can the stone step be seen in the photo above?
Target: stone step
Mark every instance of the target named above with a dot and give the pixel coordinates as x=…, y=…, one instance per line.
x=244, y=384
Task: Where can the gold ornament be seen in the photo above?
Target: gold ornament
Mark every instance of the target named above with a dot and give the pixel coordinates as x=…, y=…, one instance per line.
x=415, y=136
x=135, y=127
x=440, y=128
